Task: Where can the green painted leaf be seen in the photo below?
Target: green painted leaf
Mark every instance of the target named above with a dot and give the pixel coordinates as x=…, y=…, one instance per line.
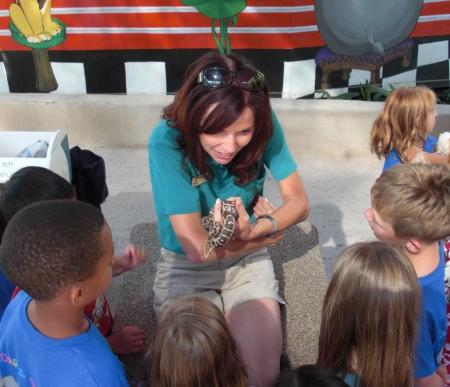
x=217, y=9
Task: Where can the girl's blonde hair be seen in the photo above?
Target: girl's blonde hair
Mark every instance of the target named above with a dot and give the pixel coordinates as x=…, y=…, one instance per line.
x=370, y=316
x=396, y=128
x=192, y=346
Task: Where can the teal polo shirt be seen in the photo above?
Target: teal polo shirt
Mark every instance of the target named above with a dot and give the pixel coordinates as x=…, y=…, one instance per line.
x=174, y=193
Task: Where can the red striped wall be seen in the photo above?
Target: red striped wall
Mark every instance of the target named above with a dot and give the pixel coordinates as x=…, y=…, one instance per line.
x=108, y=41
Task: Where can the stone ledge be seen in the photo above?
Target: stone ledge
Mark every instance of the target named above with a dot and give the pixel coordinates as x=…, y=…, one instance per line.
x=312, y=127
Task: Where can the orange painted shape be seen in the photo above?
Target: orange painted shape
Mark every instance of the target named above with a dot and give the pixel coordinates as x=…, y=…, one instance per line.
x=279, y=3
x=127, y=20
x=136, y=42
x=439, y=8
x=182, y=20
x=435, y=28
x=291, y=19
x=117, y=3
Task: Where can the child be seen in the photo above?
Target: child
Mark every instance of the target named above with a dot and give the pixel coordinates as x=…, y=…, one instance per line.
x=410, y=205
x=26, y=186
x=60, y=252
x=402, y=129
x=192, y=346
x=309, y=376
x=35, y=184
x=369, y=317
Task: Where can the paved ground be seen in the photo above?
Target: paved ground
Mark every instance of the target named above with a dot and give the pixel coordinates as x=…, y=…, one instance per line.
x=338, y=190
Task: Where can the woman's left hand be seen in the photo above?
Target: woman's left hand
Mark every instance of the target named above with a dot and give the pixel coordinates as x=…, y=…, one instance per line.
x=261, y=206
x=244, y=228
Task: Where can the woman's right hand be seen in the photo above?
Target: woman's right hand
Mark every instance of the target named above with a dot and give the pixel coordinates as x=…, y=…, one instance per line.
x=243, y=228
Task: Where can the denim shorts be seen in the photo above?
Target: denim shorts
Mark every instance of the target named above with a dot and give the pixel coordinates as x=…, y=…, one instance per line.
x=227, y=282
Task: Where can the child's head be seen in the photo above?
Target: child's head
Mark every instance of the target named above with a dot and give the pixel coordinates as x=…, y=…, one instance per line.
x=413, y=199
x=51, y=245
x=30, y=185
x=192, y=346
x=309, y=376
x=370, y=316
x=408, y=116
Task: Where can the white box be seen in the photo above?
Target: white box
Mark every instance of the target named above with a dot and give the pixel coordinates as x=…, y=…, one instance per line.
x=58, y=155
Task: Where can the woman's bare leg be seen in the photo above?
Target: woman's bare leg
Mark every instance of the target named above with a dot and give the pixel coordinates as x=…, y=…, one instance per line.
x=256, y=326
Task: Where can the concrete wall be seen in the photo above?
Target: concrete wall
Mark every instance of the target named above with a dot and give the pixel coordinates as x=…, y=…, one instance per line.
x=312, y=127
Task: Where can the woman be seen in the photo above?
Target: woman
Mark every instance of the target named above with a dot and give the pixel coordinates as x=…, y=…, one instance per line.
x=213, y=145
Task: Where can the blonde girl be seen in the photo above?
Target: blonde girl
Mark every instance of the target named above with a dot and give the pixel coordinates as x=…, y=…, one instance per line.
x=192, y=346
x=370, y=317
x=402, y=129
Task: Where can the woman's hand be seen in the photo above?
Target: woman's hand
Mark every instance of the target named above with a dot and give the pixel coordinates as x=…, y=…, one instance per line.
x=275, y=239
x=261, y=206
x=244, y=228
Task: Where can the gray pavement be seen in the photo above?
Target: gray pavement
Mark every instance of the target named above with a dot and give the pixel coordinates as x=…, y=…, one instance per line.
x=338, y=190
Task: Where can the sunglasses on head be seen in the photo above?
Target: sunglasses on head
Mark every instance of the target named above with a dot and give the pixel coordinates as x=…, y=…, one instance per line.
x=218, y=77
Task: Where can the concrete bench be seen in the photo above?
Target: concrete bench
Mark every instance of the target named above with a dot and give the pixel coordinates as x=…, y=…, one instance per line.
x=298, y=267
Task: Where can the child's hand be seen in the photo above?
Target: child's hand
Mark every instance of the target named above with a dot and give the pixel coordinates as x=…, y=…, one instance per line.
x=126, y=340
x=131, y=258
x=442, y=372
x=261, y=206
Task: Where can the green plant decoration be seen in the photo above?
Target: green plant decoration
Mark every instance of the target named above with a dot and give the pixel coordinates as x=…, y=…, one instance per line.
x=222, y=11
x=380, y=93
x=327, y=95
x=446, y=98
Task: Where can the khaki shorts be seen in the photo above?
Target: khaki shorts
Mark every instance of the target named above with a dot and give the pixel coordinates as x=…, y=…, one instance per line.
x=227, y=283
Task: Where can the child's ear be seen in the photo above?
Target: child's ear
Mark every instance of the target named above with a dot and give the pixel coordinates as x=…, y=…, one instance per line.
x=77, y=293
x=413, y=246
x=418, y=122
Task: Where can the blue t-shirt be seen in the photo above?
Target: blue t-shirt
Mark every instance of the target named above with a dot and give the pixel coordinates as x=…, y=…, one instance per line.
x=350, y=380
x=433, y=321
x=392, y=158
x=28, y=358
x=175, y=193
x=6, y=291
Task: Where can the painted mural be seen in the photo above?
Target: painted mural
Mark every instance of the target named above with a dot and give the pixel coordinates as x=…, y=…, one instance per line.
x=139, y=46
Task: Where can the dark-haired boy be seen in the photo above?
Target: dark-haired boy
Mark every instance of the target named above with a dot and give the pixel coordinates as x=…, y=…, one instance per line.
x=60, y=252
x=411, y=210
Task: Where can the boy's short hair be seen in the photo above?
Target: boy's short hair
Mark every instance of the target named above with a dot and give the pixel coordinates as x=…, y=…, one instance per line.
x=50, y=245
x=415, y=200
x=30, y=185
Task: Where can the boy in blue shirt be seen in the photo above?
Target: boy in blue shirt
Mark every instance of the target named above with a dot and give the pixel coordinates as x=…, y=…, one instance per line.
x=410, y=210
x=60, y=253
